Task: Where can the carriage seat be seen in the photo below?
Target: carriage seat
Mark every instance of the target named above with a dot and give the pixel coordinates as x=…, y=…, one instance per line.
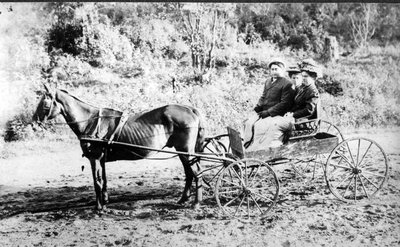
x=306, y=127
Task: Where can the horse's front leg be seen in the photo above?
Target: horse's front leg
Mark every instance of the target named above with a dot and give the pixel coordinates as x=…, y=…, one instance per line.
x=98, y=182
x=104, y=188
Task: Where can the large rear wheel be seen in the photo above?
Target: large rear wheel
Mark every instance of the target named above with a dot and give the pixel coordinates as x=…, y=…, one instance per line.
x=357, y=168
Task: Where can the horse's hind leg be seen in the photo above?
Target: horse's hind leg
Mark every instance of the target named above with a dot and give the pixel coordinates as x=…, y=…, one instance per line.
x=196, y=170
x=98, y=182
x=192, y=170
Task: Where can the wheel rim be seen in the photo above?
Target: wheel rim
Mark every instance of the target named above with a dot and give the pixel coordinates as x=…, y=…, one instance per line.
x=327, y=127
x=247, y=188
x=356, y=169
x=213, y=146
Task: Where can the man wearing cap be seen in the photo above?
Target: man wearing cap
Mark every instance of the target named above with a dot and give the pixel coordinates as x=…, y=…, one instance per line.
x=278, y=94
x=275, y=101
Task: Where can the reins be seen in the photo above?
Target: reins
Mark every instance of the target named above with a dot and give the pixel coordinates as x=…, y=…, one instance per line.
x=86, y=120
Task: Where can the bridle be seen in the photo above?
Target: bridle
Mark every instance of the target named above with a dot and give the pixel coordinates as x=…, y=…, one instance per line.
x=48, y=103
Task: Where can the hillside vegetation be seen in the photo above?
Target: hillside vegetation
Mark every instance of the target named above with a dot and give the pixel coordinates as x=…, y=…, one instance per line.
x=213, y=56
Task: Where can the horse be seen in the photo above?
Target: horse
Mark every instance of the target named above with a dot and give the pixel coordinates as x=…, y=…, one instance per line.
x=172, y=125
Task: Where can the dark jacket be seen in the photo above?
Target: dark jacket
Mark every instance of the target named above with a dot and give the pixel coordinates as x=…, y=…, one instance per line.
x=306, y=102
x=277, y=97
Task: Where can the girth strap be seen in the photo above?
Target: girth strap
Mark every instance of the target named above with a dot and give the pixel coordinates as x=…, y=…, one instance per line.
x=121, y=124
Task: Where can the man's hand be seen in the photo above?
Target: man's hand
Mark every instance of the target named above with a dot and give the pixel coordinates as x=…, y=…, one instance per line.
x=257, y=108
x=289, y=114
x=264, y=114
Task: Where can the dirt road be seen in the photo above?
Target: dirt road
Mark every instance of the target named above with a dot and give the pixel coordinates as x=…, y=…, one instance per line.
x=47, y=200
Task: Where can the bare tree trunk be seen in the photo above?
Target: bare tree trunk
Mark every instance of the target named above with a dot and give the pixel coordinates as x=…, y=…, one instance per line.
x=331, y=49
x=362, y=26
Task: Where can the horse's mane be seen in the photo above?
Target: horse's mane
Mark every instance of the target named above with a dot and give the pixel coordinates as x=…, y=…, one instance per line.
x=76, y=98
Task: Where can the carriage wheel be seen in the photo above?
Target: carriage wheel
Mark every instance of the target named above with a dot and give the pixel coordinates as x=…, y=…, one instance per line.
x=247, y=188
x=327, y=127
x=213, y=146
x=357, y=168
x=312, y=167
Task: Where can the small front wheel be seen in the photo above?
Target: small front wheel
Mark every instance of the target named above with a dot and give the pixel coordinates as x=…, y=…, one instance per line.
x=247, y=188
x=356, y=169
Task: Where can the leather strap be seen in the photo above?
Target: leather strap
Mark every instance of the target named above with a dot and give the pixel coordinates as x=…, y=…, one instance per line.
x=121, y=124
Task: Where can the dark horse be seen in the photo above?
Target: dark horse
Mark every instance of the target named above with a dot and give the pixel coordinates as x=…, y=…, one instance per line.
x=175, y=126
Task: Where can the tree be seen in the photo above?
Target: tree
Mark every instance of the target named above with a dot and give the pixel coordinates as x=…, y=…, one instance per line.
x=204, y=26
x=363, y=23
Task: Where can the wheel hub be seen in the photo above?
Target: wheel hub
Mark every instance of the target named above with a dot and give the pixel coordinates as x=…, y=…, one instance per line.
x=356, y=171
x=246, y=191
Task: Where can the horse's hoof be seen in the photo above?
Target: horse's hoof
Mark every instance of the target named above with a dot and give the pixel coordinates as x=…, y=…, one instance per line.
x=98, y=211
x=196, y=206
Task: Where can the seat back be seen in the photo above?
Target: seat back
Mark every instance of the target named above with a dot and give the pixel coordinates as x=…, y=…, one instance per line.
x=307, y=127
x=236, y=143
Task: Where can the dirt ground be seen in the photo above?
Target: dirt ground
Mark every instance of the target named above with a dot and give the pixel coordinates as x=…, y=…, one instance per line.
x=47, y=200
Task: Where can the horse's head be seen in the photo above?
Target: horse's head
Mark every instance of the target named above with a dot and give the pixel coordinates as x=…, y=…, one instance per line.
x=48, y=107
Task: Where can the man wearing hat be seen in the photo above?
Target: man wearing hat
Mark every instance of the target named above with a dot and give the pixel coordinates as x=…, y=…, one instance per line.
x=278, y=94
x=276, y=100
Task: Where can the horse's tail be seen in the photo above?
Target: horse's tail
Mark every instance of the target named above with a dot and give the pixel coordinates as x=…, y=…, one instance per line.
x=201, y=132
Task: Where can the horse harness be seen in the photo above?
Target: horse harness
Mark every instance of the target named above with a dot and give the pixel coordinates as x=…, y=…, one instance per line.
x=115, y=135
x=48, y=103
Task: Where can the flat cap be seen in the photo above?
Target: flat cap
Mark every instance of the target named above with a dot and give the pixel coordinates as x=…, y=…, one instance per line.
x=277, y=61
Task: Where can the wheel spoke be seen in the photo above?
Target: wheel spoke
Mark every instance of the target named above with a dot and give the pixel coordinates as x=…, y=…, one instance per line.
x=374, y=174
x=345, y=158
x=336, y=170
x=230, y=191
x=248, y=206
x=355, y=187
x=238, y=185
x=256, y=203
x=358, y=151
x=328, y=128
x=237, y=175
x=252, y=180
x=232, y=200
x=239, y=207
x=245, y=174
x=370, y=181
x=362, y=184
x=339, y=166
x=259, y=195
x=362, y=158
x=347, y=188
x=344, y=180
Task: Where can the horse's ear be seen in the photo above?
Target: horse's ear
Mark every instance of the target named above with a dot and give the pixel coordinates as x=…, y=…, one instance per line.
x=47, y=88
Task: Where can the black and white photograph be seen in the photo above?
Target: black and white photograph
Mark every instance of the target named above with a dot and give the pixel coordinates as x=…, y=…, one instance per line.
x=199, y=124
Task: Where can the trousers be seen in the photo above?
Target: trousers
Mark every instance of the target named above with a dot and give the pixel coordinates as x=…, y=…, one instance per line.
x=261, y=133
